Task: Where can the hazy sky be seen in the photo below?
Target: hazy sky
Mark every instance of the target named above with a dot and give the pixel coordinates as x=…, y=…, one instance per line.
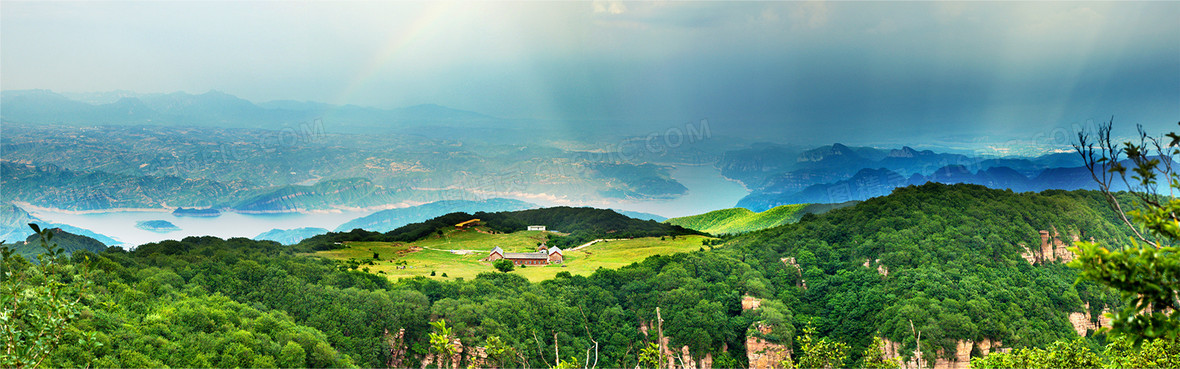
x=897, y=70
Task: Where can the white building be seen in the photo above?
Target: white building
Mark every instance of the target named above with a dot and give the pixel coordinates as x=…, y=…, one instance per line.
x=537, y=228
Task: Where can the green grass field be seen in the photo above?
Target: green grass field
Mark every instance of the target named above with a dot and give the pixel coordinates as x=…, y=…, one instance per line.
x=739, y=220
x=421, y=257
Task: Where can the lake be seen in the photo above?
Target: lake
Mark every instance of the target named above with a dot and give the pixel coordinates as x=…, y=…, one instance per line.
x=707, y=191
x=121, y=225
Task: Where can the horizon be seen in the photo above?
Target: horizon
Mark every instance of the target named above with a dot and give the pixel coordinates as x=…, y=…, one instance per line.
x=1053, y=140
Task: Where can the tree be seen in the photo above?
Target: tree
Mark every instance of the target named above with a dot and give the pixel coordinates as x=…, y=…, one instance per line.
x=874, y=356
x=1061, y=354
x=499, y=351
x=649, y=356
x=1146, y=274
x=504, y=265
x=39, y=303
x=822, y=353
x=292, y=356
x=440, y=342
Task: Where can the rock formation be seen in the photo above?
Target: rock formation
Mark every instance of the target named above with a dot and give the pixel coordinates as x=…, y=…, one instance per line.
x=961, y=359
x=476, y=357
x=682, y=358
x=763, y=354
x=881, y=269
x=792, y=264
x=1083, y=322
x=1052, y=248
x=397, y=348
x=751, y=303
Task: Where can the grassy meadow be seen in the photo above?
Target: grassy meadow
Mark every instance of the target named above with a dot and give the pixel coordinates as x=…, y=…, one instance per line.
x=448, y=254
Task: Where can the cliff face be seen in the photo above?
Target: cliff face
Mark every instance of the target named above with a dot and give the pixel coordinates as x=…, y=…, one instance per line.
x=760, y=353
x=682, y=358
x=1083, y=322
x=763, y=354
x=474, y=357
x=960, y=360
x=1052, y=248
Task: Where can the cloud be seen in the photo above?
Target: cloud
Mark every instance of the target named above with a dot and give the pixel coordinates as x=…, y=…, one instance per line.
x=611, y=7
x=810, y=14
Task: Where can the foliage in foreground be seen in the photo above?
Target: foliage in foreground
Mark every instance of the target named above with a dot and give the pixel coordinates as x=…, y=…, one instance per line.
x=1147, y=272
x=1077, y=353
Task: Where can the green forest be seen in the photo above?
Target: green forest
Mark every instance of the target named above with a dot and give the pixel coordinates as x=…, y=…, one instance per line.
x=943, y=260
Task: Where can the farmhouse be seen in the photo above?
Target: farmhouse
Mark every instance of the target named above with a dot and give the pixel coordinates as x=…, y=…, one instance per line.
x=537, y=228
x=543, y=257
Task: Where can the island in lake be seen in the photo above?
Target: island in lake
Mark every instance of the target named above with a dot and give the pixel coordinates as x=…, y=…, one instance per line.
x=183, y=212
x=161, y=226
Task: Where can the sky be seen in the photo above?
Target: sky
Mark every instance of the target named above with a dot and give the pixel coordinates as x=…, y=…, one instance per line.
x=823, y=71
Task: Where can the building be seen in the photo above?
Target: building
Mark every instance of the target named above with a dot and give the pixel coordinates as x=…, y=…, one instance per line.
x=537, y=228
x=466, y=224
x=545, y=257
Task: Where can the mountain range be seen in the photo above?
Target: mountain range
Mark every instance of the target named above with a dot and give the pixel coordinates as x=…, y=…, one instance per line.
x=216, y=108
x=780, y=175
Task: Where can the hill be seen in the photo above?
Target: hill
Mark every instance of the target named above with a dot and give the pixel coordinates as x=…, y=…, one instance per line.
x=741, y=220
x=388, y=220
x=289, y=236
x=68, y=242
x=962, y=262
x=576, y=225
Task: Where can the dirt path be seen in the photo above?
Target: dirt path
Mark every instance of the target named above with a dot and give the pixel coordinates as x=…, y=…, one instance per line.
x=594, y=242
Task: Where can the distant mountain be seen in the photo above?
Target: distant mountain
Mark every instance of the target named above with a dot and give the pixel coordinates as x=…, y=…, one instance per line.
x=865, y=184
x=329, y=194
x=869, y=183
x=14, y=223
x=388, y=220
x=752, y=166
x=641, y=215
x=215, y=108
x=14, y=226
x=778, y=175
x=50, y=185
x=741, y=220
x=289, y=236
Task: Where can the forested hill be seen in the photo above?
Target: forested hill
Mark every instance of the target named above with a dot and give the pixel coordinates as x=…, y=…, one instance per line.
x=740, y=220
x=66, y=241
x=581, y=225
x=946, y=257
